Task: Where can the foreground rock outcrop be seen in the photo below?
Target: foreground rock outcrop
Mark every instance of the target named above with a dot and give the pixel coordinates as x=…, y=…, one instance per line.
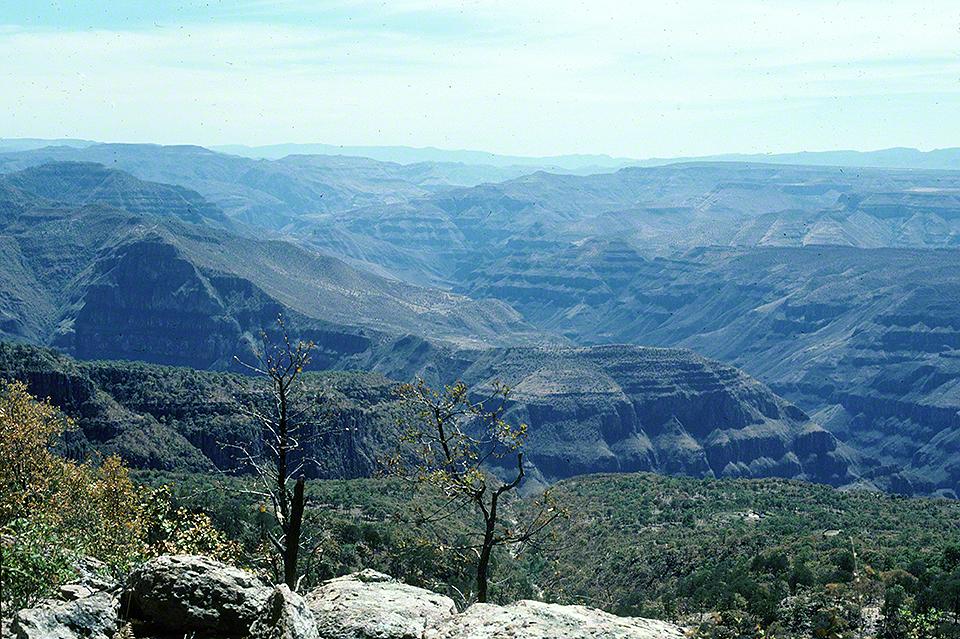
x=86, y=607
x=185, y=595
x=538, y=620
x=371, y=604
x=91, y=617
x=286, y=616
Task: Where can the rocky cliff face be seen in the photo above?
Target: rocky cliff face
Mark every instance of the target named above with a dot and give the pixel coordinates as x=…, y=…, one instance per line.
x=865, y=341
x=178, y=419
x=599, y=409
x=625, y=409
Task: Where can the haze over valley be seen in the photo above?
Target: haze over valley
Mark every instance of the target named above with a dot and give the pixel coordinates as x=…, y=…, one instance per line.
x=833, y=288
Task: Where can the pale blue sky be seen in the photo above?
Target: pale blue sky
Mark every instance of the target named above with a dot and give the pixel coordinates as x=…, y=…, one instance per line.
x=635, y=79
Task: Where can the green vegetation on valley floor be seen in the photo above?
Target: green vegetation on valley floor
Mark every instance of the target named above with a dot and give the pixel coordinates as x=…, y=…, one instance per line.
x=649, y=545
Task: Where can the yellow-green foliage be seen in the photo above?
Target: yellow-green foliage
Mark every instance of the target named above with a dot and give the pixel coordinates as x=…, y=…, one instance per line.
x=103, y=513
x=176, y=531
x=91, y=508
x=53, y=510
x=28, y=470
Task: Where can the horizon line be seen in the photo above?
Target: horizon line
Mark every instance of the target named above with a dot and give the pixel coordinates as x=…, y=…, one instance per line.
x=432, y=148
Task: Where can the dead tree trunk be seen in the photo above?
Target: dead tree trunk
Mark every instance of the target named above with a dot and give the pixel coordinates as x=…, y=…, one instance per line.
x=292, y=542
x=282, y=454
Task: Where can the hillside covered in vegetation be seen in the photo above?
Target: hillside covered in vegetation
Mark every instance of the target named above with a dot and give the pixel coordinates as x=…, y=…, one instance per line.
x=764, y=553
x=719, y=556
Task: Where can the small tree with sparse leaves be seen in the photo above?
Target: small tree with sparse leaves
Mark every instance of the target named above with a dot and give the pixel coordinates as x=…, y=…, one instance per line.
x=287, y=418
x=449, y=442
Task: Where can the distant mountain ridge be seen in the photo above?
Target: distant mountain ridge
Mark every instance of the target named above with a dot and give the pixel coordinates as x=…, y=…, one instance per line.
x=265, y=193
x=440, y=239
x=102, y=281
x=947, y=158
x=893, y=158
x=27, y=144
x=577, y=163
x=86, y=183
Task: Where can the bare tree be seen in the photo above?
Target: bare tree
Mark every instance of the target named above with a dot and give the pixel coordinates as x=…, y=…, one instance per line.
x=449, y=443
x=286, y=417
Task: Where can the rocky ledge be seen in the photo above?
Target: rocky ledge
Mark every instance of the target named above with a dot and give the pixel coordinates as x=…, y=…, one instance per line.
x=183, y=595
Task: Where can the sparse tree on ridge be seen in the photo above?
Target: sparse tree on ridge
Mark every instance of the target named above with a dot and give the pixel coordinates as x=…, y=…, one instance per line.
x=287, y=418
x=448, y=443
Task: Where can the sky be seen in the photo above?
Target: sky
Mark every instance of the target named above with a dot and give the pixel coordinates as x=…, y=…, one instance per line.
x=630, y=79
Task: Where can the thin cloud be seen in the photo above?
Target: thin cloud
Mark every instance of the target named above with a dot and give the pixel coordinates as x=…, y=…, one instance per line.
x=621, y=78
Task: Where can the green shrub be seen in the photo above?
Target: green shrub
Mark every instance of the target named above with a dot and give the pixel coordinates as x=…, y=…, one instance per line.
x=35, y=560
x=54, y=511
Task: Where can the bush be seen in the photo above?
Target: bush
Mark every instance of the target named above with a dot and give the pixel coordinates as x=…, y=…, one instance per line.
x=174, y=531
x=730, y=624
x=28, y=469
x=34, y=559
x=54, y=511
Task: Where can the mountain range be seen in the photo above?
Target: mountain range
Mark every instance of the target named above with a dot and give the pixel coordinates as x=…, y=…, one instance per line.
x=582, y=163
x=836, y=288
x=112, y=270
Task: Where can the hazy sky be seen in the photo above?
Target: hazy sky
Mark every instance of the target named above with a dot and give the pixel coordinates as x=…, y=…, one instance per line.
x=635, y=79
